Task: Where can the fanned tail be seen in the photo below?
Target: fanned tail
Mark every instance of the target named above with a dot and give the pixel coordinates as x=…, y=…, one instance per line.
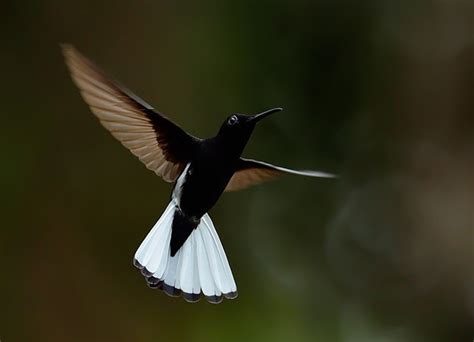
x=200, y=266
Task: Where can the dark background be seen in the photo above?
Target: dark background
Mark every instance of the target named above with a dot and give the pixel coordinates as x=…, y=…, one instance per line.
x=378, y=91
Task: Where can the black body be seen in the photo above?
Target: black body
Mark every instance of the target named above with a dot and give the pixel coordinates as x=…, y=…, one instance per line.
x=212, y=165
x=201, y=168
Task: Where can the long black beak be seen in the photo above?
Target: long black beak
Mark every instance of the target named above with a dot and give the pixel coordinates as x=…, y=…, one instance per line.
x=264, y=114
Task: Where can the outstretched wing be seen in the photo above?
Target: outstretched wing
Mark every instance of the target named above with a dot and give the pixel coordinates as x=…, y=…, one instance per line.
x=251, y=172
x=160, y=144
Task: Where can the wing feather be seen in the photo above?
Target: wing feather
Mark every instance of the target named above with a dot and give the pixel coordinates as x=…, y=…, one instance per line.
x=159, y=143
x=251, y=172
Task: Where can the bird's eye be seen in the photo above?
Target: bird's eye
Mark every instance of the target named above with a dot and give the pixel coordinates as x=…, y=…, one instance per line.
x=233, y=120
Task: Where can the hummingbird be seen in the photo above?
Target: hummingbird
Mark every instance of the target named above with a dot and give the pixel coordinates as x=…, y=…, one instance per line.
x=182, y=254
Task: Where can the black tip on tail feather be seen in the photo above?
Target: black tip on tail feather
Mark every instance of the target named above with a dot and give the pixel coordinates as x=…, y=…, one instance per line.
x=215, y=299
x=146, y=273
x=156, y=283
x=137, y=264
x=191, y=297
x=171, y=290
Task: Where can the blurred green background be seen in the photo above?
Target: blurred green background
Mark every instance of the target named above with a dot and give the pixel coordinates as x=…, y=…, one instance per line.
x=378, y=91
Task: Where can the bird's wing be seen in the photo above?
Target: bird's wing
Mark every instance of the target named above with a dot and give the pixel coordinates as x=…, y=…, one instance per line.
x=251, y=172
x=160, y=144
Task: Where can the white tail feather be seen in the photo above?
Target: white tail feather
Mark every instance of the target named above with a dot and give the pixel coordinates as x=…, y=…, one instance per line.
x=199, y=266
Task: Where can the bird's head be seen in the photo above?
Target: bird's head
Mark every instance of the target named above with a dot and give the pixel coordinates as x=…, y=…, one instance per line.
x=237, y=128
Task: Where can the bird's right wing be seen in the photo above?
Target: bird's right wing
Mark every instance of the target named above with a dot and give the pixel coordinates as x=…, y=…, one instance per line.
x=160, y=144
x=251, y=172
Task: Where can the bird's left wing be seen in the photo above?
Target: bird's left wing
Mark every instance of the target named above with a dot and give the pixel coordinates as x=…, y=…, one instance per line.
x=159, y=143
x=251, y=172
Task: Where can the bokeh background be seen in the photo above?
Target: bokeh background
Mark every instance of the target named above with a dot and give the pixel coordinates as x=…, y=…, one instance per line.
x=378, y=91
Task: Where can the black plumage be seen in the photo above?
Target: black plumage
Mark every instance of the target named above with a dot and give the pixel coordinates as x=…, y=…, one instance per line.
x=202, y=169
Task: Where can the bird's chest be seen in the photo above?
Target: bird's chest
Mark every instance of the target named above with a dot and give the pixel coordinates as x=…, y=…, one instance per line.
x=202, y=183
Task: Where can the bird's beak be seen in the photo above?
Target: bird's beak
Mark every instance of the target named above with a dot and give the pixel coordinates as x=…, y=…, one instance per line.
x=264, y=114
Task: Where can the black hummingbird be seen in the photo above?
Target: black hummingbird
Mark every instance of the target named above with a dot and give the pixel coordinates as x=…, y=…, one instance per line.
x=182, y=254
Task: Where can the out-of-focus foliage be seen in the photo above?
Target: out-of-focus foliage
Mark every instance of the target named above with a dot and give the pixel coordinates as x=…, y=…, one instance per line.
x=378, y=91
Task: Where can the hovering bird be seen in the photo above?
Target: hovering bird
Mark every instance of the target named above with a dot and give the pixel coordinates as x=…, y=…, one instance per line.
x=182, y=254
